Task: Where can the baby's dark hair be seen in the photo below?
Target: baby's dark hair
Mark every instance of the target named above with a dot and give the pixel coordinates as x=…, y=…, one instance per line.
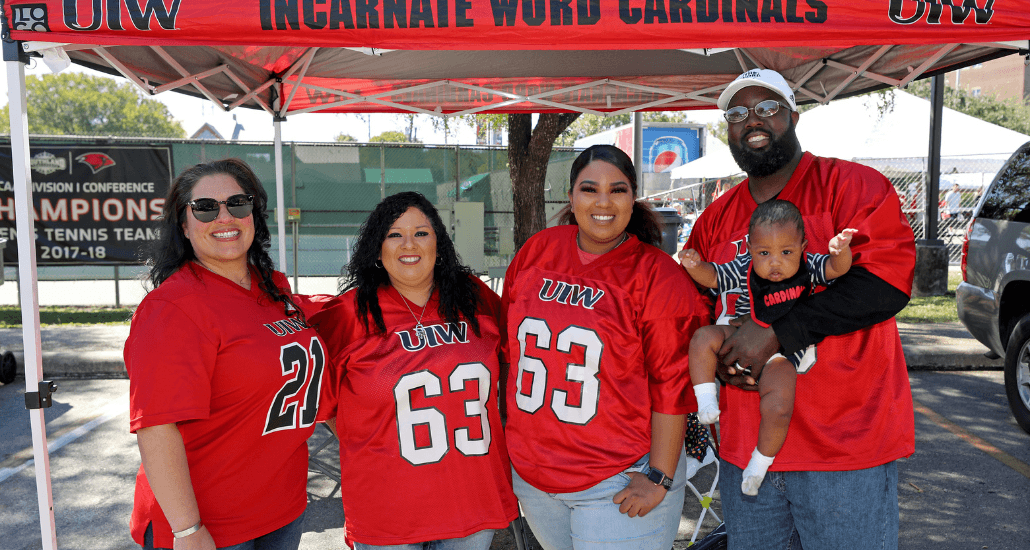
x=777, y=212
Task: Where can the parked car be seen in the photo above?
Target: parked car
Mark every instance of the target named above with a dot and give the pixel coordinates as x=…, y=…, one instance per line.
x=994, y=297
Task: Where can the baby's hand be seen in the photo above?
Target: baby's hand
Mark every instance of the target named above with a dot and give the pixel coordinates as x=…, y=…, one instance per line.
x=690, y=258
x=841, y=241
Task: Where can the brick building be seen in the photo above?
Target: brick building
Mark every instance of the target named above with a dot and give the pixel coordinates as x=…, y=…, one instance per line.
x=1004, y=78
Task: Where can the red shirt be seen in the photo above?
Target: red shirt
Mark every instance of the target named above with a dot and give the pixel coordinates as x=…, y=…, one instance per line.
x=594, y=350
x=853, y=408
x=242, y=381
x=422, y=449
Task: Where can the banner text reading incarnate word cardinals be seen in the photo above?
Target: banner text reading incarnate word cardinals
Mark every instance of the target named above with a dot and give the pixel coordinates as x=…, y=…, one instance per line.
x=388, y=14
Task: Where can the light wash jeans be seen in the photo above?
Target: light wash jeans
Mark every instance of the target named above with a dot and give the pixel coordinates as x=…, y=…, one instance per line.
x=286, y=537
x=589, y=520
x=479, y=540
x=856, y=509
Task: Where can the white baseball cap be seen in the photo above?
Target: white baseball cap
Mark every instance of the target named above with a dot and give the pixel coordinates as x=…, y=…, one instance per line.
x=766, y=78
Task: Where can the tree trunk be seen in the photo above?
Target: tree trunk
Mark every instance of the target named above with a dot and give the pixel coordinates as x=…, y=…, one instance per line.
x=529, y=152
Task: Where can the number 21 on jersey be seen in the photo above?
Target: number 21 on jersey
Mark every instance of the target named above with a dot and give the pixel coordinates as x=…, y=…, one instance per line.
x=586, y=374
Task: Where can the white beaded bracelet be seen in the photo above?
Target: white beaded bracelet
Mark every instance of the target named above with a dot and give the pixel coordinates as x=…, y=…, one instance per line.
x=187, y=531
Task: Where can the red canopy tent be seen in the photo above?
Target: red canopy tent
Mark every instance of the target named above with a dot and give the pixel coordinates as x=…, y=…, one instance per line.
x=455, y=57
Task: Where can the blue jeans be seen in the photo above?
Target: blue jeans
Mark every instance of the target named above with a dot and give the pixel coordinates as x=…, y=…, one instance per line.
x=286, y=537
x=589, y=520
x=855, y=509
x=479, y=540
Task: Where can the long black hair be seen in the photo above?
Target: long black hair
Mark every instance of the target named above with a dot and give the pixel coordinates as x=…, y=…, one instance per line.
x=643, y=221
x=459, y=296
x=173, y=250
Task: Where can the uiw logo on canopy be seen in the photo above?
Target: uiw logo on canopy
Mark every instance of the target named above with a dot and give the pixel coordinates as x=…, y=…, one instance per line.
x=906, y=12
x=140, y=16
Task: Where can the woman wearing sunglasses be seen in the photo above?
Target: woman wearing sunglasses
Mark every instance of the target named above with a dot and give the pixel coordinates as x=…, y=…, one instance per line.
x=412, y=388
x=224, y=375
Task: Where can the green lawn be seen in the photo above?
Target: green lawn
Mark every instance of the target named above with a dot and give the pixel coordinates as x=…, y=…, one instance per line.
x=10, y=316
x=933, y=309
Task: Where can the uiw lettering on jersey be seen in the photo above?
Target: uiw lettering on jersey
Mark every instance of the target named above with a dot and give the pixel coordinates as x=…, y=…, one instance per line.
x=570, y=294
x=435, y=335
x=286, y=326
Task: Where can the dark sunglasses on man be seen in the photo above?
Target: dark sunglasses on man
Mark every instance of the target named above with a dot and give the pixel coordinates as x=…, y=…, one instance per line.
x=764, y=109
x=206, y=210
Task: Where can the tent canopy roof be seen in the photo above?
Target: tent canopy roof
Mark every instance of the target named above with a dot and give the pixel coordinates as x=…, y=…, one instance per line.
x=454, y=57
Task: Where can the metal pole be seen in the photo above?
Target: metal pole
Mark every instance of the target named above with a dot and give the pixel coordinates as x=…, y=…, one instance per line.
x=382, y=171
x=934, y=158
x=29, y=292
x=638, y=150
x=280, y=207
x=117, y=296
x=296, y=238
x=457, y=173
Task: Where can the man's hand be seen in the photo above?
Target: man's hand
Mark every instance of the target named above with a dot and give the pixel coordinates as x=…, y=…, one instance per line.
x=639, y=497
x=750, y=347
x=841, y=241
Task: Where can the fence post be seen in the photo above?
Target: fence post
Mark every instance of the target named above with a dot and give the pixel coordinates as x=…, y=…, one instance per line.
x=296, y=238
x=382, y=171
x=457, y=173
x=931, y=272
x=117, y=295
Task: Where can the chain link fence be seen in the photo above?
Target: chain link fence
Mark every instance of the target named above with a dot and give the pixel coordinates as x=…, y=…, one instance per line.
x=963, y=181
x=335, y=187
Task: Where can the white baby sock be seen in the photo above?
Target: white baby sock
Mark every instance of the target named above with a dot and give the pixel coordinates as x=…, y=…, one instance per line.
x=707, y=402
x=754, y=474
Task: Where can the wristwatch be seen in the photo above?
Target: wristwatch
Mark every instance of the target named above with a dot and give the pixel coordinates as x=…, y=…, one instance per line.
x=658, y=477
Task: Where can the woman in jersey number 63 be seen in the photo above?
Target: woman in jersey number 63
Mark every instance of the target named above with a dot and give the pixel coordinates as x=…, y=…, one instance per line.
x=414, y=367
x=224, y=375
x=598, y=326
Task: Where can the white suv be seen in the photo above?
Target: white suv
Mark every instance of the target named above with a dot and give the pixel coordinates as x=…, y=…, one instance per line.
x=994, y=296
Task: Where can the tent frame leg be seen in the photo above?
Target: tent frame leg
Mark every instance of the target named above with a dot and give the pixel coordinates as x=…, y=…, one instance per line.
x=29, y=295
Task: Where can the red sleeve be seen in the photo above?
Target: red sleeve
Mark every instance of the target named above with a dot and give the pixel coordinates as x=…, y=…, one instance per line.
x=506, y=290
x=673, y=311
x=336, y=323
x=884, y=244
x=168, y=381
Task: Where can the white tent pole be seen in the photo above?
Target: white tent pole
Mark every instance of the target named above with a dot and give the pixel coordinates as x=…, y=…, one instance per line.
x=29, y=293
x=280, y=201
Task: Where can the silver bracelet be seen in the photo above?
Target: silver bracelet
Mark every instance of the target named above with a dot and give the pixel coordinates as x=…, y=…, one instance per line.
x=187, y=531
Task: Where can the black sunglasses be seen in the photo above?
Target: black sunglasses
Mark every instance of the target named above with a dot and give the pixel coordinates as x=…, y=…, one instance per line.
x=764, y=109
x=206, y=210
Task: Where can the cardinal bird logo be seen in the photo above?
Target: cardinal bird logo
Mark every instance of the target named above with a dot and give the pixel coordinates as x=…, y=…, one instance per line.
x=96, y=161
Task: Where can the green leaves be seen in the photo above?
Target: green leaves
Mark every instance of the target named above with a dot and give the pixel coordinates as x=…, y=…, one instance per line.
x=85, y=105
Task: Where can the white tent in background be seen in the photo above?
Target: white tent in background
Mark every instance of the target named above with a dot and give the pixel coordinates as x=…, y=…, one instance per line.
x=854, y=128
x=717, y=163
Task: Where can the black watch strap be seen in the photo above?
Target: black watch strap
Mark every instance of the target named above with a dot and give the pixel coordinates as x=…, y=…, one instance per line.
x=658, y=477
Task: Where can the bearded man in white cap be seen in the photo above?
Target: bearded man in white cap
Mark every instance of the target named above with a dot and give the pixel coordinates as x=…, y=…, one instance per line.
x=834, y=483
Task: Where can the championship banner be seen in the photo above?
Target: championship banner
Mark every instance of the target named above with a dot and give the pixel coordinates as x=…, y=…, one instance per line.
x=91, y=204
x=518, y=24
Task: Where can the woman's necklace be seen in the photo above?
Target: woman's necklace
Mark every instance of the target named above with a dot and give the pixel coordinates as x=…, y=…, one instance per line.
x=625, y=237
x=420, y=330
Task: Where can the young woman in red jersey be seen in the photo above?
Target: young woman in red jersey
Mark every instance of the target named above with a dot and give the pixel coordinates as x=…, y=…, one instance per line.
x=224, y=375
x=412, y=389
x=598, y=326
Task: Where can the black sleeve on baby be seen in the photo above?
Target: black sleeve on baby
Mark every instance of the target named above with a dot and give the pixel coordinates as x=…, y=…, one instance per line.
x=855, y=300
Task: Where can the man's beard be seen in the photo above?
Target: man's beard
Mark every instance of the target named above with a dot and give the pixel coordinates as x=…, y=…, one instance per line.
x=759, y=164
